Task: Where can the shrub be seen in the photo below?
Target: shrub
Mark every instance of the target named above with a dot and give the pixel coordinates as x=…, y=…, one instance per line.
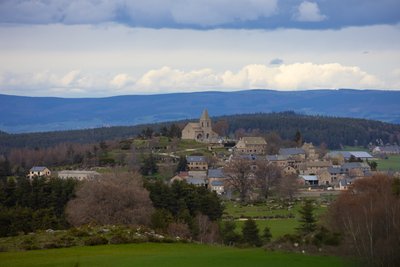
x=95, y=240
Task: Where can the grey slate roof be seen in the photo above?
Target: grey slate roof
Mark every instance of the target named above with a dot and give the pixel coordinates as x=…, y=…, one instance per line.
x=196, y=159
x=196, y=181
x=360, y=154
x=37, y=168
x=309, y=177
x=291, y=151
x=345, y=182
x=217, y=183
x=276, y=157
x=216, y=173
x=335, y=170
x=249, y=157
x=353, y=165
x=348, y=154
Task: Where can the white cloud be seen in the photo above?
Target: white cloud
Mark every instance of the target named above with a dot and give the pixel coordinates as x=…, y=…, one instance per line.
x=166, y=79
x=308, y=12
x=121, y=80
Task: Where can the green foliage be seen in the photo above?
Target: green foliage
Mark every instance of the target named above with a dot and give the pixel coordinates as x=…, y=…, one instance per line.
x=28, y=205
x=250, y=233
x=184, y=201
x=149, y=165
x=316, y=129
x=228, y=233
x=266, y=236
x=325, y=237
x=373, y=165
x=160, y=219
x=307, y=219
x=95, y=241
x=182, y=164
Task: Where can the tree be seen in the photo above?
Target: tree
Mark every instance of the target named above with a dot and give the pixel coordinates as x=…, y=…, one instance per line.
x=288, y=186
x=221, y=127
x=373, y=165
x=274, y=143
x=368, y=216
x=250, y=233
x=147, y=133
x=307, y=219
x=149, y=165
x=266, y=236
x=298, y=138
x=182, y=164
x=111, y=199
x=238, y=172
x=267, y=175
x=174, y=131
x=228, y=233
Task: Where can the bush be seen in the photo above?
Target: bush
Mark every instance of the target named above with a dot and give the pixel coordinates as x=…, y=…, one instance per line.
x=95, y=240
x=29, y=243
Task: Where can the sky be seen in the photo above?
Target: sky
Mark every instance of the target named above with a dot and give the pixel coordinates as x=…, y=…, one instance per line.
x=96, y=48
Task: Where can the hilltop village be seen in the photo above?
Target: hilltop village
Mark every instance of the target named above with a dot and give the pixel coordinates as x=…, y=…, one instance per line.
x=206, y=159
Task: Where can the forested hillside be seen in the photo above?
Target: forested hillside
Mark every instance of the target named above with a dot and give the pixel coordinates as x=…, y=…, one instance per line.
x=38, y=114
x=317, y=129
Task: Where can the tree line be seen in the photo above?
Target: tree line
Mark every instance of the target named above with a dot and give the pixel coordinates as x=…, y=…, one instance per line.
x=333, y=131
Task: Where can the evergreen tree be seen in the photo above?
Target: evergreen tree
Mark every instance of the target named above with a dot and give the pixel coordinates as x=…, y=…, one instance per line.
x=149, y=165
x=307, y=219
x=228, y=233
x=182, y=164
x=298, y=138
x=250, y=233
x=267, y=235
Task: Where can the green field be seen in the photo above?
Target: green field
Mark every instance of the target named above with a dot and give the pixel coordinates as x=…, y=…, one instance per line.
x=392, y=163
x=278, y=226
x=153, y=254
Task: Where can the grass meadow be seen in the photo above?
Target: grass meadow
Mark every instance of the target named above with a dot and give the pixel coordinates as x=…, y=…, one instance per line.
x=165, y=255
x=278, y=226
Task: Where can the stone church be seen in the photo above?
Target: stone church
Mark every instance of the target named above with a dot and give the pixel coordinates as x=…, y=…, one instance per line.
x=200, y=131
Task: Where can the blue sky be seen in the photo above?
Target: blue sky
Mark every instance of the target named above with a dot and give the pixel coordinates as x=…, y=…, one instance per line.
x=103, y=47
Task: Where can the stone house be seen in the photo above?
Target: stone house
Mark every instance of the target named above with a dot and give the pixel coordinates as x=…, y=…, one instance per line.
x=38, y=171
x=251, y=145
x=197, y=163
x=216, y=180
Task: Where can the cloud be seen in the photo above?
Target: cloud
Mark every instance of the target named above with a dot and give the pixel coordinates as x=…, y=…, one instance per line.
x=219, y=12
x=276, y=61
x=308, y=12
x=121, y=80
x=205, y=14
x=166, y=79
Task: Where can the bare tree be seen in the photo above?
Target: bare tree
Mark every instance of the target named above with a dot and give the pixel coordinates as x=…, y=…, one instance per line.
x=267, y=176
x=111, y=199
x=239, y=176
x=288, y=186
x=368, y=216
x=208, y=230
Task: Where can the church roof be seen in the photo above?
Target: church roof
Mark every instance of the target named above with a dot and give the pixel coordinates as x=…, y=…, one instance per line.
x=205, y=116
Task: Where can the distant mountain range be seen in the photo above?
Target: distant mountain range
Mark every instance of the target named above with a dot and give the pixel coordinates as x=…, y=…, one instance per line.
x=34, y=114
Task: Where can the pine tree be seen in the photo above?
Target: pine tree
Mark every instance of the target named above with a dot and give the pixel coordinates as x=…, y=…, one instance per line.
x=250, y=233
x=267, y=235
x=307, y=220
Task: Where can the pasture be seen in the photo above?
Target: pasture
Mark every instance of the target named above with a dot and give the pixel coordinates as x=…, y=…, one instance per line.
x=165, y=255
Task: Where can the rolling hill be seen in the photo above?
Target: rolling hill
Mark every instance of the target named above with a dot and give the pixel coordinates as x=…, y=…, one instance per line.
x=35, y=114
